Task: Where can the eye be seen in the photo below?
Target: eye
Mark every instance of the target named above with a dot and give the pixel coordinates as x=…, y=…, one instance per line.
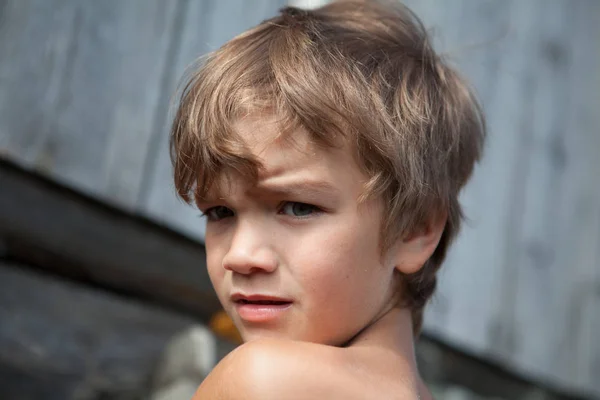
x=218, y=213
x=298, y=210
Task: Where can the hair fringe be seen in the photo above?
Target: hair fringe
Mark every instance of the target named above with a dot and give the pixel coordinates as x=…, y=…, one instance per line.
x=362, y=72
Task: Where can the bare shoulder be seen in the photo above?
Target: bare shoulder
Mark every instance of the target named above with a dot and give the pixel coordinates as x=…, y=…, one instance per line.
x=270, y=369
x=283, y=369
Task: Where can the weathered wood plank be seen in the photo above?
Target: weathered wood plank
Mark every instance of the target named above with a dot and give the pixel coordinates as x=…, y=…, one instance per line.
x=100, y=244
x=538, y=297
x=439, y=363
x=584, y=296
x=59, y=341
x=79, y=94
x=535, y=62
x=470, y=281
x=207, y=25
x=558, y=275
x=35, y=46
x=146, y=32
x=462, y=309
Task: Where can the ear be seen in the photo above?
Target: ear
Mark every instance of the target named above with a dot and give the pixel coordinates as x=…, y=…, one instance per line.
x=414, y=250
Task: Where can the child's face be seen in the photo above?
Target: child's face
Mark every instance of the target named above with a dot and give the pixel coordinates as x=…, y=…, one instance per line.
x=299, y=237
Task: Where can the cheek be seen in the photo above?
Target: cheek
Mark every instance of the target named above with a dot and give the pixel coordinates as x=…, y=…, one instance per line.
x=340, y=259
x=214, y=260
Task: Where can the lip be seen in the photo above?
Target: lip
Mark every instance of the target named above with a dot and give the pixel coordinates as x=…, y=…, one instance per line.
x=237, y=297
x=249, y=309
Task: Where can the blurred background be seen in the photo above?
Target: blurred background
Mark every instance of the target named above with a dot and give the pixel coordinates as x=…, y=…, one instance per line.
x=103, y=288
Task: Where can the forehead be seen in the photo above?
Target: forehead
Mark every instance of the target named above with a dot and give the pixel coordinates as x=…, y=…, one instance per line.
x=266, y=136
x=279, y=148
x=293, y=156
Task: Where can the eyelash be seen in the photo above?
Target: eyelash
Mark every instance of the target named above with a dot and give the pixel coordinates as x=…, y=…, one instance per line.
x=209, y=213
x=314, y=210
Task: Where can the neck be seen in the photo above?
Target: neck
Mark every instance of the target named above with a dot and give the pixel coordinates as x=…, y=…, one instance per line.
x=392, y=333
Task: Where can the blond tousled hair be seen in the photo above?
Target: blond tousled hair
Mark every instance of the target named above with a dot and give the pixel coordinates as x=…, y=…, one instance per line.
x=361, y=71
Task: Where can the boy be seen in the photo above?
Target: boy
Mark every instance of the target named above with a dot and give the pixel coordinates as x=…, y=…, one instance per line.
x=327, y=149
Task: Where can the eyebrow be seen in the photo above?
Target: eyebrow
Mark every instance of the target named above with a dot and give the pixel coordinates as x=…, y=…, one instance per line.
x=295, y=188
x=312, y=190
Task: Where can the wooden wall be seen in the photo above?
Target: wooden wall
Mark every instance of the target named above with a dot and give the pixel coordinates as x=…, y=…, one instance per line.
x=85, y=88
x=62, y=341
x=84, y=93
x=522, y=284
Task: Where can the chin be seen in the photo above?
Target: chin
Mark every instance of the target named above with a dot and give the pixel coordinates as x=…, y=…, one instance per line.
x=255, y=334
x=249, y=335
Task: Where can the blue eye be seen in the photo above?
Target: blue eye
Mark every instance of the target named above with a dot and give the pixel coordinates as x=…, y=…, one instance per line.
x=296, y=209
x=218, y=213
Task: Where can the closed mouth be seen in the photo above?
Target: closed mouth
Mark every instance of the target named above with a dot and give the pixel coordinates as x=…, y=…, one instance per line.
x=260, y=308
x=263, y=302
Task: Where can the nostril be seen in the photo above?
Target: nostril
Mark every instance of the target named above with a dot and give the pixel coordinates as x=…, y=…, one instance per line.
x=247, y=264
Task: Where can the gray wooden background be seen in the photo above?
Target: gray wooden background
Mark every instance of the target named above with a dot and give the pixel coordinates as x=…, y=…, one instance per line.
x=84, y=97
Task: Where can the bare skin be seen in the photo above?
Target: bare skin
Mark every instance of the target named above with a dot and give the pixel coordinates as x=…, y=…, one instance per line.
x=295, y=261
x=378, y=364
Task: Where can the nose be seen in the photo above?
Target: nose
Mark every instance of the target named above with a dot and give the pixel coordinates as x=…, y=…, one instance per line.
x=250, y=251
